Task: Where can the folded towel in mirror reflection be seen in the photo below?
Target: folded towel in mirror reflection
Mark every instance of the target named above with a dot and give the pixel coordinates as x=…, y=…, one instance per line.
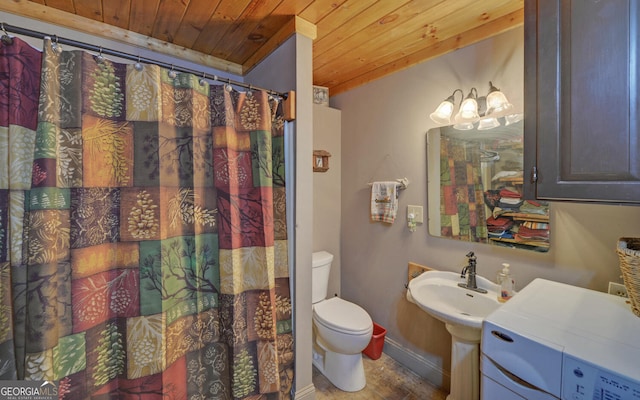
x=506, y=174
x=384, y=201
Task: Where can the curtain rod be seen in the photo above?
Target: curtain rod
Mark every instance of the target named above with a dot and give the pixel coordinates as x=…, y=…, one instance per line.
x=102, y=50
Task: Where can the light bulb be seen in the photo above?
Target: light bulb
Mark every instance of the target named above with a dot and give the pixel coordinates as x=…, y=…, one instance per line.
x=488, y=123
x=497, y=101
x=512, y=119
x=468, y=111
x=442, y=114
x=463, y=126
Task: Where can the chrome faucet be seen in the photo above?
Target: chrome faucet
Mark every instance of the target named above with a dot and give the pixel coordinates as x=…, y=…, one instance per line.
x=470, y=272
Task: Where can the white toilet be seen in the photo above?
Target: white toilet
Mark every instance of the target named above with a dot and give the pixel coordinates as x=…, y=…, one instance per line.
x=341, y=331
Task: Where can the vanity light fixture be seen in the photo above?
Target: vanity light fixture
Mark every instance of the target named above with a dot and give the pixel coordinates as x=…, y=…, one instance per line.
x=485, y=110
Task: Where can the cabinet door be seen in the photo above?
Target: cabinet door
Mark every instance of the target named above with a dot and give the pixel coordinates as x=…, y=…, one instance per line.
x=581, y=95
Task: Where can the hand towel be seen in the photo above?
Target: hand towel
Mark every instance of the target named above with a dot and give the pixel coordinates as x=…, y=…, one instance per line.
x=384, y=201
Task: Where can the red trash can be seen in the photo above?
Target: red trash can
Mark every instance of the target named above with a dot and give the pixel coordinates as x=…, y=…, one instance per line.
x=374, y=349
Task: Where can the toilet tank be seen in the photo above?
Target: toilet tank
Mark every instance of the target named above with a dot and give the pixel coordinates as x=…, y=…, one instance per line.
x=321, y=266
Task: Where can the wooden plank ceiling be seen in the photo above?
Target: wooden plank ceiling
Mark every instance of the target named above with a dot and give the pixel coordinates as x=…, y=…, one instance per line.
x=357, y=41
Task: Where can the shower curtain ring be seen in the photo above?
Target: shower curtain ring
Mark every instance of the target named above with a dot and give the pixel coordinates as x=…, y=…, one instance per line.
x=55, y=46
x=138, y=65
x=100, y=57
x=6, y=39
x=203, y=80
x=172, y=74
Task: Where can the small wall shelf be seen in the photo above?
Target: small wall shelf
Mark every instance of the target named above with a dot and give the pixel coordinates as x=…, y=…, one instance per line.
x=321, y=160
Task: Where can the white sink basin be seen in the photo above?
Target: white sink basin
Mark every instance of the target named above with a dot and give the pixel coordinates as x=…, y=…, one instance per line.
x=462, y=310
x=438, y=294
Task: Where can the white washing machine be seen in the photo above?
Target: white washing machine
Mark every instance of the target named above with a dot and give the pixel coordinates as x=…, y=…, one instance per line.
x=556, y=341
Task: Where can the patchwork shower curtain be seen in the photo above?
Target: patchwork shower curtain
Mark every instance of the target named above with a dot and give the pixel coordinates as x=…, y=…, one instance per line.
x=143, y=241
x=462, y=212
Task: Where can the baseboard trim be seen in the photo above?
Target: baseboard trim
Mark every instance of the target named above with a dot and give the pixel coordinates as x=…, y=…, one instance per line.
x=417, y=363
x=306, y=393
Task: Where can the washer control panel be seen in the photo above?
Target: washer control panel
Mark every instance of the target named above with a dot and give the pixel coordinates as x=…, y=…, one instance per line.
x=584, y=381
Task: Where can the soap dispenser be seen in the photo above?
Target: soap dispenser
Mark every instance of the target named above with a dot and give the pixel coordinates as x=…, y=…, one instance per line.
x=505, y=280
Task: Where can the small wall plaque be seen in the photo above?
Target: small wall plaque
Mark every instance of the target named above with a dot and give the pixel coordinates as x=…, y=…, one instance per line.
x=320, y=160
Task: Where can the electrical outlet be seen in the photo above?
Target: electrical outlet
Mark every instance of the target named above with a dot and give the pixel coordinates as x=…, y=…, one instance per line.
x=417, y=213
x=617, y=289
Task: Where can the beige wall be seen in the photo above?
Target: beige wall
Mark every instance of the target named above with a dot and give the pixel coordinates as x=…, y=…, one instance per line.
x=384, y=125
x=303, y=219
x=290, y=68
x=327, y=190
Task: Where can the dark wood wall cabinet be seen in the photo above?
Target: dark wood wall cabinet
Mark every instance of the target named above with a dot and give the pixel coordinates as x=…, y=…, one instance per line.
x=582, y=138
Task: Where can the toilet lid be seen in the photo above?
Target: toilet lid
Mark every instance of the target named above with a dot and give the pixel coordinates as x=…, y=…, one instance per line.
x=342, y=316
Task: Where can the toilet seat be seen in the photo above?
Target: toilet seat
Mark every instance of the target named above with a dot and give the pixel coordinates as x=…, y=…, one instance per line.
x=342, y=316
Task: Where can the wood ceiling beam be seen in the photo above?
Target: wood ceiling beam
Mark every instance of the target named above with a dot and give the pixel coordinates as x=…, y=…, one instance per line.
x=54, y=16
x=295, y=25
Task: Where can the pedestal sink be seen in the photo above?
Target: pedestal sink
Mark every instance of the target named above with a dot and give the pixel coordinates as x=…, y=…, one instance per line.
x=462, y=310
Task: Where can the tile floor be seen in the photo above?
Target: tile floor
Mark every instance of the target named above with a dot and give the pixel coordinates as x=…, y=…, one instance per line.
x=386, y=380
